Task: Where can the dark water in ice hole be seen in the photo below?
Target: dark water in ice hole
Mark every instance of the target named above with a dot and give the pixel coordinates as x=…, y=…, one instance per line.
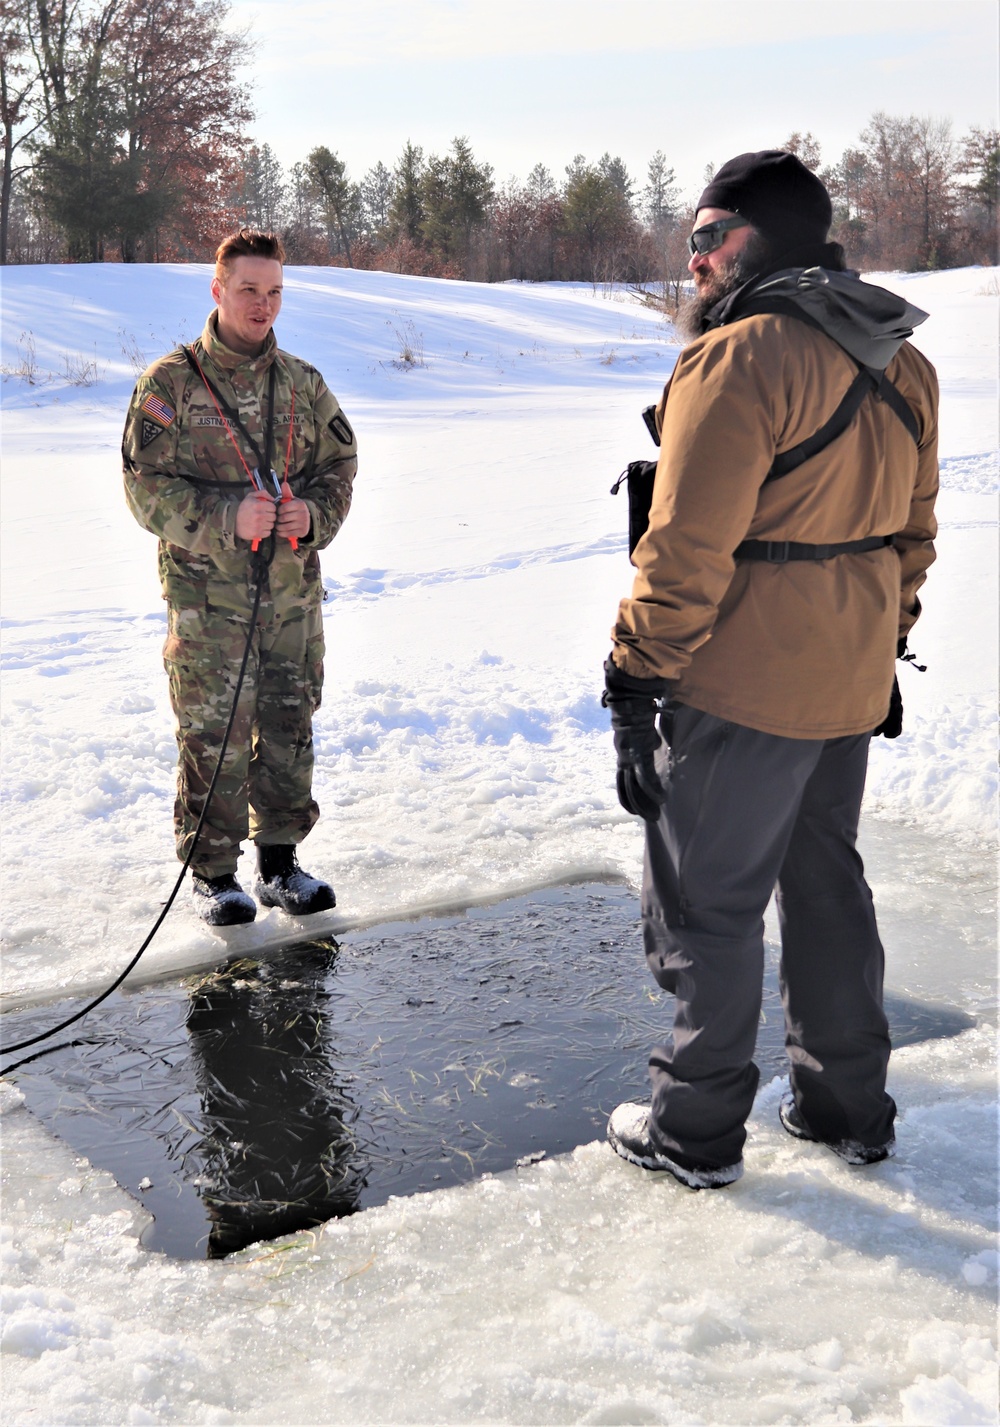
x=268, y=1096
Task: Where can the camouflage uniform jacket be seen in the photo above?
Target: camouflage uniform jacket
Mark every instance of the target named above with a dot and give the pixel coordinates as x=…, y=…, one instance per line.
x=184, y=479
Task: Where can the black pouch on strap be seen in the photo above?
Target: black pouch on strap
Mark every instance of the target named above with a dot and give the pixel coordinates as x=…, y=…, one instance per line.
x=639, y=477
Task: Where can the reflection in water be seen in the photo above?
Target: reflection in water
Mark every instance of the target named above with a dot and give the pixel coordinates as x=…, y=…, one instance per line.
x=278, y=1151
x=271, y=1096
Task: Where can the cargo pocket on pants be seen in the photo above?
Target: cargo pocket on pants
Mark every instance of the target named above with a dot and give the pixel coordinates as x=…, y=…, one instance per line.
x=315, y=651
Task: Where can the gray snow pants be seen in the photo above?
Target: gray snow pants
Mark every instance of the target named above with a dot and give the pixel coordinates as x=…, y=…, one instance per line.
x=745, y=811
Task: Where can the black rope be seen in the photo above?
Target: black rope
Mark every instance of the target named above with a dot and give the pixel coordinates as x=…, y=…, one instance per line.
x=51, y=1049
x=70, y=1020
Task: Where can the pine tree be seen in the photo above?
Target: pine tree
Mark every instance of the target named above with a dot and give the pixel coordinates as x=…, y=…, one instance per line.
x=377, y=189
x=339, y=198
x=661, y=200
x=598, y=218
x=262, y=189
x=455, y=192
x=406, y=211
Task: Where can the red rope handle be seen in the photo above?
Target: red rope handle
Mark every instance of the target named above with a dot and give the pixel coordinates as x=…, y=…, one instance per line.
x=229, y=429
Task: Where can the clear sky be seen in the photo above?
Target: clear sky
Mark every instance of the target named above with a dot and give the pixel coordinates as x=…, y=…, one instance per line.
x=531, y=81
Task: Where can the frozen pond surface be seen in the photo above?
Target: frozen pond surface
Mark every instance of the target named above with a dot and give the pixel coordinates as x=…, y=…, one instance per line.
x=274, y=1094
x=936, y=902
x=575, y=1289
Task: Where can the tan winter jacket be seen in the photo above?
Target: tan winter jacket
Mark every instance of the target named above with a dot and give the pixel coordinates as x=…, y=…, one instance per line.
x=804, y=649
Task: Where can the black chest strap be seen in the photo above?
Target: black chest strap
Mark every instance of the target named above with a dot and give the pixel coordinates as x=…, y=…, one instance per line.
x=779, y=552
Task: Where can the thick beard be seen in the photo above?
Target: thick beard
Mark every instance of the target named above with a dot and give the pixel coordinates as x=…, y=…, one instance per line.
x=692, y=314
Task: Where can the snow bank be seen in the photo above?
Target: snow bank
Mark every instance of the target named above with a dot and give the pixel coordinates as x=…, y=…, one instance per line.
x=579, y=1290
x=462, y=750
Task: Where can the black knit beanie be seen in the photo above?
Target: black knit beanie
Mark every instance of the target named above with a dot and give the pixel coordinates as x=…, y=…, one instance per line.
x=782, y=199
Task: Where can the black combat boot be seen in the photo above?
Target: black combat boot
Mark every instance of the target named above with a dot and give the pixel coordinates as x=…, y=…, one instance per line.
x=628, y=1134
x=221, y=901
x=281, y=882
x=853, y=1151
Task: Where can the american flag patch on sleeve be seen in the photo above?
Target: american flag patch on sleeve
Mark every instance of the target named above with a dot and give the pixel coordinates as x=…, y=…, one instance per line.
x=158, y=409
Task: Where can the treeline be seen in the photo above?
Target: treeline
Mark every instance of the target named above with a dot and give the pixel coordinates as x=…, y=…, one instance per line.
x=907, y=196
x=124, y=127
x=445, y=216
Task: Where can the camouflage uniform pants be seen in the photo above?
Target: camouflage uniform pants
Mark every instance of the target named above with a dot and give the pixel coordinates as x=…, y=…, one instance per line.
x=265, y=788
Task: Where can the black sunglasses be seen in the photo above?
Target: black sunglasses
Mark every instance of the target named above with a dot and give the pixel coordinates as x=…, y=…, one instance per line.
x=712, y=235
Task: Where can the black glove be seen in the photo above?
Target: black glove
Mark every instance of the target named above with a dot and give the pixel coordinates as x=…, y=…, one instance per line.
x=892, y=725
x=633, y=721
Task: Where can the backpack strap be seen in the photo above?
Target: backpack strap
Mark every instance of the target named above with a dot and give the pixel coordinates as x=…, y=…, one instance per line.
x=639, y=475
x=894, y=398
x=864, y=383
x=867, y=381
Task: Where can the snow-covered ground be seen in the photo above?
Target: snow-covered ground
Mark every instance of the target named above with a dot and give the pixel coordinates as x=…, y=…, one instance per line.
x=463, y=754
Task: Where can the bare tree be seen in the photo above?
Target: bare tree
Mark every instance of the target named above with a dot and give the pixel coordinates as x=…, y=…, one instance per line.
x=895, y=192
x=934, y=187
x=980, y=162
x=804, y=147
x=512, y=225
x=19, y=87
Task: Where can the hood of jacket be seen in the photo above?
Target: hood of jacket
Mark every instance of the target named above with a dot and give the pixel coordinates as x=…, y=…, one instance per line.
x=869, y=322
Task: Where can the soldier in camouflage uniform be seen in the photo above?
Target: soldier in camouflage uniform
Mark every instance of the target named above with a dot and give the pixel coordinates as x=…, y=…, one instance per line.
x=195, y=434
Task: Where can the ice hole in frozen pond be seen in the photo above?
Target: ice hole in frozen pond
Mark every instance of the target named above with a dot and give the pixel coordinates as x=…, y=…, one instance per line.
x=269, y=1096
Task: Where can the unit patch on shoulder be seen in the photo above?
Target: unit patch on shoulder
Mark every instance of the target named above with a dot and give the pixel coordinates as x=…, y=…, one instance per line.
x=341, y=428
x=157, y=415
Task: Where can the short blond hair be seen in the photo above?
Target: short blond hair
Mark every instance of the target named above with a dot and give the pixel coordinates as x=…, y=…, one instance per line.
x=247, y=243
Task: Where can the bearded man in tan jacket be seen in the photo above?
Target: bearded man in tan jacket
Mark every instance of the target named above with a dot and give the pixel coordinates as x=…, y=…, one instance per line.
x=790, y=528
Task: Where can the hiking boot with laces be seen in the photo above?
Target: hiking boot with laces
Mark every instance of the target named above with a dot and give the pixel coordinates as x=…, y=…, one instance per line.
x=221, y=901
x=281, y=882
x=628, y=1134
x=851, y=1151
